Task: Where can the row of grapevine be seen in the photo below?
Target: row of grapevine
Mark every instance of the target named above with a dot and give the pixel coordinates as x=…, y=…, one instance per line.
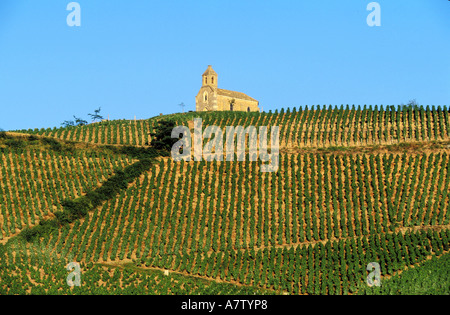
x=316, y=127
x=111, y=132
x=34, y=269
x=203, y=207
x=33, y=182
x=333, y=267
x=431, y=278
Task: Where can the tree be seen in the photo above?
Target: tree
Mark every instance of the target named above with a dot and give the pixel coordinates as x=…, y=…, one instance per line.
x=96, y=116
x=162, y=137
x=412, y=104
x=68, y=123
x=79, y=121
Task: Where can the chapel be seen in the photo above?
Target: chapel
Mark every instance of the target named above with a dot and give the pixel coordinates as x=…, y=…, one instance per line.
x=211, y=98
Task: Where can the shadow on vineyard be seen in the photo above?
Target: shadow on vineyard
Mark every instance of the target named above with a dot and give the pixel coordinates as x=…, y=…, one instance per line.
x=355, y=186
x=79, y=208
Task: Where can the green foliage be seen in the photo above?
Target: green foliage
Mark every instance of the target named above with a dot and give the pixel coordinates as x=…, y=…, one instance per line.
x=96, y=116
x=33, y=138
x=162, y=137
x=45, y=227
x=137, y=152
x=79, y=208
x=310, y=228
x=431, y=278
x=15, y=143
x=3, y=135
x=80, y=121
x=68, y=123
x=53, y=143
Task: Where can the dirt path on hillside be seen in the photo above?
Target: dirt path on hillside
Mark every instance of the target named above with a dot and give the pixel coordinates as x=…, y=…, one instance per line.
x=123, y=265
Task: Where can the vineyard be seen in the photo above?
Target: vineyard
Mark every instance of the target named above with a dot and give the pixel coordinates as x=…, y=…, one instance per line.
x=354, y=186
x=317, y=126
x=34, y=182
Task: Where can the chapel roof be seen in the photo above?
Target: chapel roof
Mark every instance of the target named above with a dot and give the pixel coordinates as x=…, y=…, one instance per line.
x=233, y=94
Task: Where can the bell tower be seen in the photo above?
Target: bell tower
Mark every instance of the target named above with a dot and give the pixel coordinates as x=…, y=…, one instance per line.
x=210, y=77
x=206, y=99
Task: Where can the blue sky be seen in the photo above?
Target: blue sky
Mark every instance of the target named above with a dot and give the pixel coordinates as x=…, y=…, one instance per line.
x=141, y=58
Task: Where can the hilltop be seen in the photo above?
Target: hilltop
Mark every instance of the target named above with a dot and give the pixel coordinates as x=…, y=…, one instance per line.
x=354, y=186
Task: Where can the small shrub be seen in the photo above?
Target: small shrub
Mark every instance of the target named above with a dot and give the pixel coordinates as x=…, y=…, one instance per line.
x=15, y=143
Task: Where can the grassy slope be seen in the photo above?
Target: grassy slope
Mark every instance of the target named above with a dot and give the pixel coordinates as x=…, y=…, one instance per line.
x=439, y=145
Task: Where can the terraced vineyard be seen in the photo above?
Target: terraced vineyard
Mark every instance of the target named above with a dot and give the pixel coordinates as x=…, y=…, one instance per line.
x=354, y=186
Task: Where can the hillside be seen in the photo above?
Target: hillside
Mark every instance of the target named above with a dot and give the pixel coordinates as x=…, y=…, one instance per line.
x=354, y=186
